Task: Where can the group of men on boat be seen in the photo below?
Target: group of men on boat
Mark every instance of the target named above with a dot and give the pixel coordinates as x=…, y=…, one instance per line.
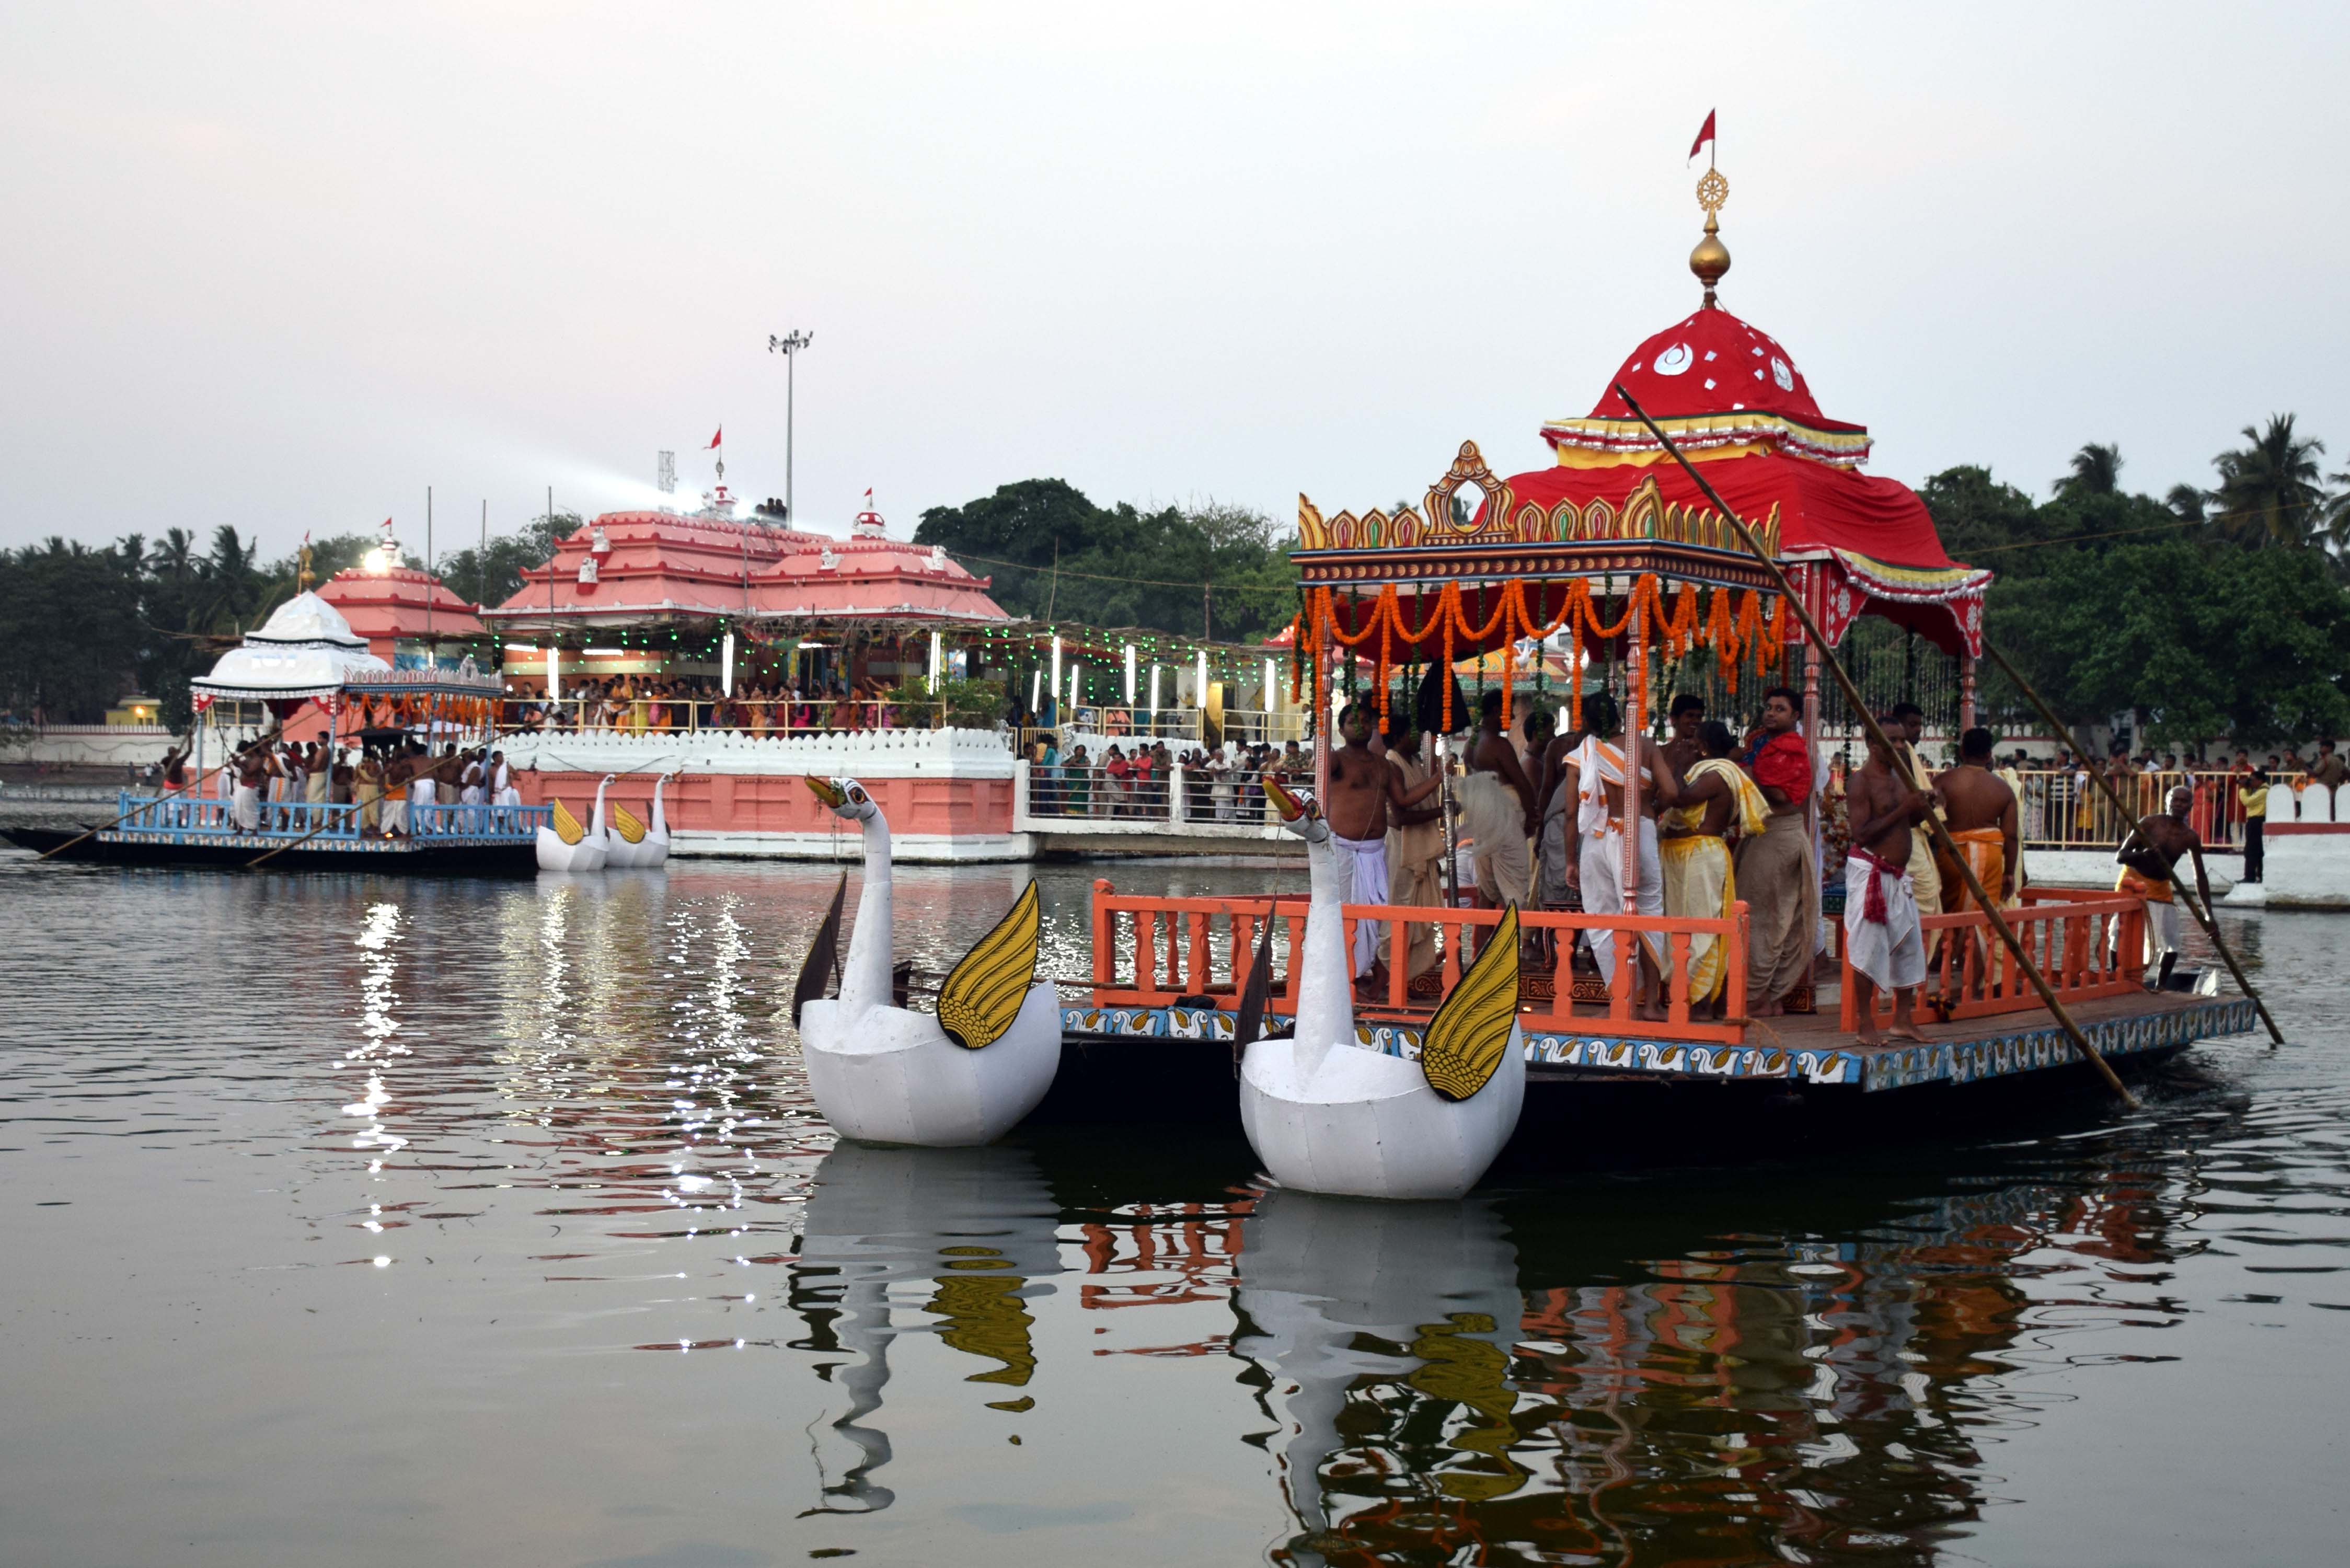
x=262, y=781
x=1721, y=818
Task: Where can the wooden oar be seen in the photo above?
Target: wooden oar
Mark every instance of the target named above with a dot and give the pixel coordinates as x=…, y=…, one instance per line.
x=2210, y=926
x=1859, y=705
x=328, y=823
x=126, y=817
x=94, y=832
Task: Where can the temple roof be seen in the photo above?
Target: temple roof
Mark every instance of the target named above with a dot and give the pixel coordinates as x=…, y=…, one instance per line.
x=391, y=605
x=873, y=576
x=630, y=567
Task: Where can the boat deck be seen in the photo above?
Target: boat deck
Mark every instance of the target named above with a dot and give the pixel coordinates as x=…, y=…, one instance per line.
x=1807, y=1048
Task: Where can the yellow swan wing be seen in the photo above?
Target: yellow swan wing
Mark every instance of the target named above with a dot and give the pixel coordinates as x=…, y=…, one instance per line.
x=627, y=827
x=982, y=995
x=567, y=826
x=1466, y=1038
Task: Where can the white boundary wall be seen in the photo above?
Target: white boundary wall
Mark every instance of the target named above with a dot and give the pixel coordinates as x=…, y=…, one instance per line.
x=868, y=756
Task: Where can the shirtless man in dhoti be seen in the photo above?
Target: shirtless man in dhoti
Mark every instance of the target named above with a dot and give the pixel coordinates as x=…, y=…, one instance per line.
x=1981, y=812
x=1881, y=933
x=1363, y=784
x=2148, y=861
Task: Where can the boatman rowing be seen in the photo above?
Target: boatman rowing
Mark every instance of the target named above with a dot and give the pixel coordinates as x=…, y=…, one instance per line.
x=2147, y=857
x=1363, y=784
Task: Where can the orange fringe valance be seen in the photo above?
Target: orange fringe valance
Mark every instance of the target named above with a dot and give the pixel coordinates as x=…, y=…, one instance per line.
x=1734, y=624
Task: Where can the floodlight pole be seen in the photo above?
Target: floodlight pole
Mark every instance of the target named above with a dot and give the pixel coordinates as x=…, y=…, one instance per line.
x=789, y=346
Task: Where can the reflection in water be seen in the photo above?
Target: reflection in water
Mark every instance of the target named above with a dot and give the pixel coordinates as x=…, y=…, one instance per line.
x=1382, y=1321
x=566, y=1123
x=972, y=1227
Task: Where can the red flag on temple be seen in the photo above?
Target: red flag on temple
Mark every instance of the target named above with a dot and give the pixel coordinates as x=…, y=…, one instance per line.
x=716, y=439
x=1704, y=135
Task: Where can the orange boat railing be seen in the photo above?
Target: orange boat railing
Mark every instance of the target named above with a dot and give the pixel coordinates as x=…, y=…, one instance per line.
x=2086, y=944
x=1204, y=947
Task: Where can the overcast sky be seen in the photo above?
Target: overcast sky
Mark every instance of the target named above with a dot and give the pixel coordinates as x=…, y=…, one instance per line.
x=284, y=266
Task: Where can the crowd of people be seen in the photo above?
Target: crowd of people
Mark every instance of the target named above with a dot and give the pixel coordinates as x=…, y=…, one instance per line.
x=1135, y=780
x=1723, y=817
x=759, y=707
x=271, y=783
x=2230, y=797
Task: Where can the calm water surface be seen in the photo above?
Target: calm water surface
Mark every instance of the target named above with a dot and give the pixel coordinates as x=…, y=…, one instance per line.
x=360, y=1221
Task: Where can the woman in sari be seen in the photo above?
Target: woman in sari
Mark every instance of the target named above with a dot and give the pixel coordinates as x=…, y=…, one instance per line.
x=1116, y=771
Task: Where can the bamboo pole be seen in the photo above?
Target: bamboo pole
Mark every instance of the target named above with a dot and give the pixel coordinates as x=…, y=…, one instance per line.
x=1934, y=824
x=323, y=825
x=2210, y=926
x=142, y=805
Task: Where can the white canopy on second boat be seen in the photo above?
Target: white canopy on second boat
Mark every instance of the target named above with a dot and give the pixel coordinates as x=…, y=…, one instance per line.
x=306, y=649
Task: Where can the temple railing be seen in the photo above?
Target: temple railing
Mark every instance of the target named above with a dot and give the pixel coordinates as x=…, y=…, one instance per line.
x=2062, y=809
x=2086, y=944
x=190, y=818
x=1151, y=951
x=1082, y=797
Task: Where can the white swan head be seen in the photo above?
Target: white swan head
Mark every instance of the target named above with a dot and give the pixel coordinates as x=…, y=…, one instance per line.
x=1300, y=814
x=846, y=797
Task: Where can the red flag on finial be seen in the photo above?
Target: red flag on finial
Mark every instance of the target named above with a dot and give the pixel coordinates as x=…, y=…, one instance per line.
x=1704, y=135
x=868, y=498
x=722, y=429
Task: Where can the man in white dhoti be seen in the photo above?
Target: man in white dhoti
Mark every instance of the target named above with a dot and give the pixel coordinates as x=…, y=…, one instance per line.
x=1595, y=776
x=2149, y=859
x=1415, y=851
x=423, y=790
x=1498, y=811
x=254, y=769
x=1881, y=933
x=1363, y=784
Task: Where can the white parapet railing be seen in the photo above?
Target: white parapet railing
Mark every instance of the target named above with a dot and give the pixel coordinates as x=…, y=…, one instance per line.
x=855, y=754
x=1177, y=803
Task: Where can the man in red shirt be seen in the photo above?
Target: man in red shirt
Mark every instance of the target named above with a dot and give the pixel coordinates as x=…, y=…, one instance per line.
x=1776, y=875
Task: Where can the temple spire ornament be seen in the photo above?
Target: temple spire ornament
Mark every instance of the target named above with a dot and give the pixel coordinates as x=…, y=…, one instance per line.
x=1711, y=257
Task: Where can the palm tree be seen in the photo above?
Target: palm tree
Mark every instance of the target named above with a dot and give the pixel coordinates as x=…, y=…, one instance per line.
x=2268, y=492
x=175, y=555
x=2097, y=471
x=2188, y=501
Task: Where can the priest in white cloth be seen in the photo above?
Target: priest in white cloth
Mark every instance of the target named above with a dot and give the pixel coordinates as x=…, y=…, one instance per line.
x=1881, y=933
x=1363, y=784
x=1594, y=777
x=254, y=767
x=1498, y=811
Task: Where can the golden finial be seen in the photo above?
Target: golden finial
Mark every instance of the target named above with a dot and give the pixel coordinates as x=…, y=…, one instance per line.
x=305, y=579
x=1711, y=257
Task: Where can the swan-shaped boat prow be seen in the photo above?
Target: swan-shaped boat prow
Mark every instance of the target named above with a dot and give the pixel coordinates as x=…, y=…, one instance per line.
x=655, y=849
x=1326, y=1115
x=564, y=845
x=628, y=845
x=963, y=1076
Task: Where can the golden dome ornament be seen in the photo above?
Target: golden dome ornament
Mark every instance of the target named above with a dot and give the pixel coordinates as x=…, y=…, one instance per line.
x=1711, y=257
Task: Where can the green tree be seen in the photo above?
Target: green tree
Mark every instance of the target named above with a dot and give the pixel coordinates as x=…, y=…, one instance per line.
x=492, y=576
x=70, y=633
x=2097, y=471
x=1976, y=513
x=1215, y=570
x=2206, y=638
x=2270, y=492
